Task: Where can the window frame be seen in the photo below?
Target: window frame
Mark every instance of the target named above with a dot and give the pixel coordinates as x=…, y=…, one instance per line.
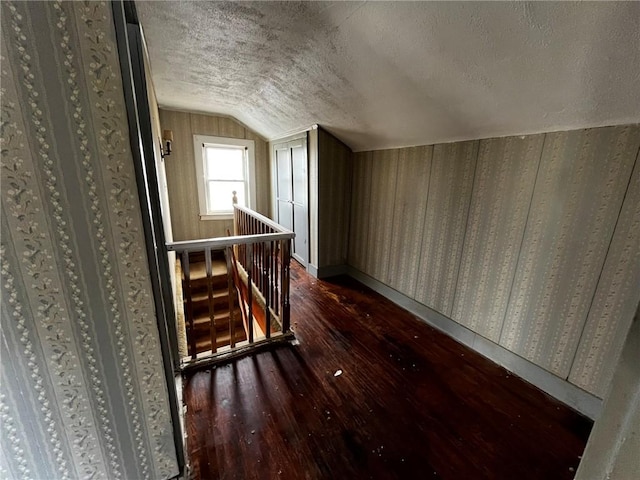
x=200, y=142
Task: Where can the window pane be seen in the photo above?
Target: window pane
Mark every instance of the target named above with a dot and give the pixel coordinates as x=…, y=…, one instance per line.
x=224, y=163
x=219, y=195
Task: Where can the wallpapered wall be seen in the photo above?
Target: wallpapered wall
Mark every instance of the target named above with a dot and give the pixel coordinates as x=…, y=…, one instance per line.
x=614, y=441
x=83, y=391
x=334, y=159
x=532, y=242
x=181, y=171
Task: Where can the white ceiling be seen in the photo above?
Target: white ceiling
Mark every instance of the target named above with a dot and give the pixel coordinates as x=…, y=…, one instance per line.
x=389, y=74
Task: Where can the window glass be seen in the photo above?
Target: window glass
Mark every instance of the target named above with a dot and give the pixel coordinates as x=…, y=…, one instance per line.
x=224, y=163
x=220, y=194
x=225, y=172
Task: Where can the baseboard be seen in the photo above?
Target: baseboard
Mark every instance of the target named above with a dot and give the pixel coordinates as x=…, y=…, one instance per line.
x=313, y=270
x=332, y=271
x=328, y=271
x=569, y=394
x=182, y=410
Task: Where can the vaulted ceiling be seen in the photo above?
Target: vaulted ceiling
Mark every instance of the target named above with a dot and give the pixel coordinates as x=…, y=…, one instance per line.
x=389, y=74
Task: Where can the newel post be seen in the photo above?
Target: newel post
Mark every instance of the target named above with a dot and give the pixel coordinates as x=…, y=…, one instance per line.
x=234, y=201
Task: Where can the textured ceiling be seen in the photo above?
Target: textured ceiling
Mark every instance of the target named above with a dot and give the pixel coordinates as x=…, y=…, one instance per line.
x=389, y=74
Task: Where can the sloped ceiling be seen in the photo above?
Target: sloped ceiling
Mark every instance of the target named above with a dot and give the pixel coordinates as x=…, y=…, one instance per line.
x=389, y=74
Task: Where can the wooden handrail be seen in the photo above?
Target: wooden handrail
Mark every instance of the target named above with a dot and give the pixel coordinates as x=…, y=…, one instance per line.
x=220, y=243
x=257, y=263
x=265, y=220
x=267, y=264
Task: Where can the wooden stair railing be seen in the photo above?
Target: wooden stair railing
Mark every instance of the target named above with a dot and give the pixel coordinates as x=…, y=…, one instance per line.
x=211, y=308
x=241, y=289
x=255, y=262
x=254, y=307
x=268, y=264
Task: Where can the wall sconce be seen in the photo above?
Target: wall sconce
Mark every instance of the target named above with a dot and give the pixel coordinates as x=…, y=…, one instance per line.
x=165, y=144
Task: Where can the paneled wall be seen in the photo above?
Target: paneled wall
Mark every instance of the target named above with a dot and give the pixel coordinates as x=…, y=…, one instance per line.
x=83, y=389
x=384, y=166
x=414, y=169
x=614, y=442
x=448, y=197
x=577, y=198
x=156, y=129
x=505, y=174
x=532, y=242
x=334, y=161
x=181, y=171
x=359, y=219
x=613, y=302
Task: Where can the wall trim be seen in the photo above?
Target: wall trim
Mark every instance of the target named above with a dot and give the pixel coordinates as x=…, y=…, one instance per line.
x=312, y=269
x=130, y=45
x=328, y=271
x=569, y=394
x=332, y=271
x=292, y=134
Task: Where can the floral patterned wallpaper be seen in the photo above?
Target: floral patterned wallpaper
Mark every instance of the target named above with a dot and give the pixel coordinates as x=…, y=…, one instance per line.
x=532, y=242
x=83, y=393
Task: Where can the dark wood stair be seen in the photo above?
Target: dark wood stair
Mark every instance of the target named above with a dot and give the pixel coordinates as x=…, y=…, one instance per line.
x=199, y=291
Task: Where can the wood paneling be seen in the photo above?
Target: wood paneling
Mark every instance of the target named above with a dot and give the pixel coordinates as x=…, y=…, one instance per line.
x=414, y=168
x=450, y=185
x=504, y=180
x=410, y=403
x=228, y=127
x=181, y=174
x=313, y=197
x=202, y=124
x=359, y=218
x=383, y=185
x=615, y=300
x=334, y=197
x=557, y=195
x=263, y=174
x=581, y=183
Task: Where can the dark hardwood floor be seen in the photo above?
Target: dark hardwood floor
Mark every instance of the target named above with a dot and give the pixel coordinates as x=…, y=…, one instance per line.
x=410, y=403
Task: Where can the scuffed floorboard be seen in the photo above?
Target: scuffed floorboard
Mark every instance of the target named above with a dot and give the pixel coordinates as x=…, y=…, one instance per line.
x=410, y=403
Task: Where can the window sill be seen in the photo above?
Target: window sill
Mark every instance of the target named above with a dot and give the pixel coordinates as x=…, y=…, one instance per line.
x=217, y=216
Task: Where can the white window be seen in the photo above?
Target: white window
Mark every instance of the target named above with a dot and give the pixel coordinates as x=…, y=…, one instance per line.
x=223, y=166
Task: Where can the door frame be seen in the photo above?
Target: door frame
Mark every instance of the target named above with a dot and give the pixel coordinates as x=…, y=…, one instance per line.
x=130, y=44
x=274, y=187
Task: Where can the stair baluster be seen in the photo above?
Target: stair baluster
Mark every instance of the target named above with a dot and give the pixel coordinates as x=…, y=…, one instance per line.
x=232, y=320
x=250, y=264
x=212, y=318
x=186, y=290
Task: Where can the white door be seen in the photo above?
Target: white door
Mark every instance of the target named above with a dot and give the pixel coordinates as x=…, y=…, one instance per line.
x=300, y=208
x=292, y=209
x=284, y=187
